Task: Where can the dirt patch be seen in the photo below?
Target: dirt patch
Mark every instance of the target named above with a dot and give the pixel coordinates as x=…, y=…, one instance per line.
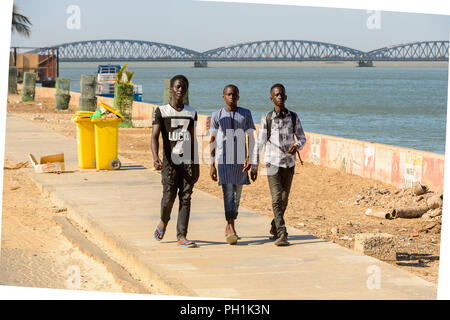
x=323, y=201
x=34, y=252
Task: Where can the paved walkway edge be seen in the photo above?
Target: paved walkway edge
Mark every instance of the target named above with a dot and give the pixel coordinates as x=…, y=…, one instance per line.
x=118, y=250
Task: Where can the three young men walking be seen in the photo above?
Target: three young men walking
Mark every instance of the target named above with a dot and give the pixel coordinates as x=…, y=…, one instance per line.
x=236, y=151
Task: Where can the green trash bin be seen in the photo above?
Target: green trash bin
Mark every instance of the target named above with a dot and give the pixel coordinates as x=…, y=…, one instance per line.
x=62, y=95
x=29, y=86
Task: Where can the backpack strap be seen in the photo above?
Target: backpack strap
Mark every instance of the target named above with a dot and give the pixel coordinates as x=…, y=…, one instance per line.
x=269, y=124
x=294, y=121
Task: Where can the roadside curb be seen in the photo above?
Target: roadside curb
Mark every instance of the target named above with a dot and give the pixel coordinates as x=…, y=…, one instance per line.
x=121, y=253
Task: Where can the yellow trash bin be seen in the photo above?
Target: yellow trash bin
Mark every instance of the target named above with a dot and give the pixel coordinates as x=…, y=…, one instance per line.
x=107, y=140
x=85, y=139
x=107, y=143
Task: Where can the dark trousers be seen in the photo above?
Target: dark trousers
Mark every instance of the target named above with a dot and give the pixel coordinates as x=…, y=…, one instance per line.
x=280, y=185
x=177, y=179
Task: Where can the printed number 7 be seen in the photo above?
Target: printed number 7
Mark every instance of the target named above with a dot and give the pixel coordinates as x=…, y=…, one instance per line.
x=178, y=149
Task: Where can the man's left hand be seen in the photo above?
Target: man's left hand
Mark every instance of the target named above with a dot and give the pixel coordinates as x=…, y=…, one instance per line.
x=254, y=175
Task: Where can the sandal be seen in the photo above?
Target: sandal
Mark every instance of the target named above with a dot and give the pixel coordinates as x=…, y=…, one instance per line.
x=158, y=234
x=231, y=238
x=188, y=244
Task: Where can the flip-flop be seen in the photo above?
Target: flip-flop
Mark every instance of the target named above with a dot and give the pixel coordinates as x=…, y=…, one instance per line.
x=158, y=234
x=188, y=244
x=231, y=238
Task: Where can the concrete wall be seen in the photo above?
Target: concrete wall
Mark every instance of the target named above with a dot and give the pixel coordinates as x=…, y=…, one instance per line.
x=397, y=166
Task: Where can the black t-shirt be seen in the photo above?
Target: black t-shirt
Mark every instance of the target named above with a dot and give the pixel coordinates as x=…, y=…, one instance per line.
x=176, y=127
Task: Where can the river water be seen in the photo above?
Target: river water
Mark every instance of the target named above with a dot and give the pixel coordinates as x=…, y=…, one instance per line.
x=402, y=106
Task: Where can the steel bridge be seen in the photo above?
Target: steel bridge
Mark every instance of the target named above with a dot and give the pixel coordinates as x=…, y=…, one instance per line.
x=417, y=51
x=270, y=50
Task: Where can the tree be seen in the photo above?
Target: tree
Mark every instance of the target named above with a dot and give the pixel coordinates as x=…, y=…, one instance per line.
x=20, y=23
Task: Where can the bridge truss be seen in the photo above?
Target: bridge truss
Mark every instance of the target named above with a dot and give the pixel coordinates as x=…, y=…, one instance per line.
x=417, y=51
x=270, y=50
x=123, y=50
x=283, y=50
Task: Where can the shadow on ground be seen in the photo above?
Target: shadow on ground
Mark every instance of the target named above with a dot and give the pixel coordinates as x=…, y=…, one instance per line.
x=260, y=240
x=133, y=167
x=419, y=260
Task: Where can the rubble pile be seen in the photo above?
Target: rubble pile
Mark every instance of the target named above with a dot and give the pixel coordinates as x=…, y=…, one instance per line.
x=415, y=202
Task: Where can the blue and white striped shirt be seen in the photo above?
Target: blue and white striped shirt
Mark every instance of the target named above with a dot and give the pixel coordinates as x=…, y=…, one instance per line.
x=231, y=129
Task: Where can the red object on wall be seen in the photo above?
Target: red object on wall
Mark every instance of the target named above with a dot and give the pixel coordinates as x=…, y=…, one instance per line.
x=305, y=152
x=396, y=175
x=433, y=172
x=369, y=161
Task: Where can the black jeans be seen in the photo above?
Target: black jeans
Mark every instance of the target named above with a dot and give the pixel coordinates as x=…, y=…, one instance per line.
x=280, y=185
x=178, y=179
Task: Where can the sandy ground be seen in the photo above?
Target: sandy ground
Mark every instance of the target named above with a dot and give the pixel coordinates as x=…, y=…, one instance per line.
x=322, y=202
x=34, y=253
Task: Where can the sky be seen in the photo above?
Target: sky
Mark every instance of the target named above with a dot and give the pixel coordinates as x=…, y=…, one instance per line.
x=203, y=26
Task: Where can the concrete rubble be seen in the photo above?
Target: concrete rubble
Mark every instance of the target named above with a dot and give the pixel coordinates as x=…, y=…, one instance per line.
x=379, y=245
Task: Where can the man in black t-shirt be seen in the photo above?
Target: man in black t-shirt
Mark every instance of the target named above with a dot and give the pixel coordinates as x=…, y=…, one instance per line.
x=176, y=121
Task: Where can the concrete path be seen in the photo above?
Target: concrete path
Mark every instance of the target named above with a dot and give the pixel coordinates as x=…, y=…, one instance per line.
x=120, y=209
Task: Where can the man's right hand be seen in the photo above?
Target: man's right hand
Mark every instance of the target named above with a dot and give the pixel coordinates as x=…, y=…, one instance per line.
x=213, y=172
x=158, y=164
x=293, y=149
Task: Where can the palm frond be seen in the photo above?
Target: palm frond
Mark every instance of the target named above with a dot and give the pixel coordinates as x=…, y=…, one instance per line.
x=120, y=74
x=129, y=76
x=20, y=23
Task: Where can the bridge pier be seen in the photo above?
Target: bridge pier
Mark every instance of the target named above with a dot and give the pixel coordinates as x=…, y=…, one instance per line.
x=365, y=63
x=201, y=63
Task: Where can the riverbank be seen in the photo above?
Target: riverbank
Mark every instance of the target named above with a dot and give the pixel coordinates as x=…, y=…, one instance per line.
x=322, y=200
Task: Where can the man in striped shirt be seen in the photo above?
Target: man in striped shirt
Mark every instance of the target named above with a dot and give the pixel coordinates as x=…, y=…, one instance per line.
x=276, y=135
x=229, y=128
